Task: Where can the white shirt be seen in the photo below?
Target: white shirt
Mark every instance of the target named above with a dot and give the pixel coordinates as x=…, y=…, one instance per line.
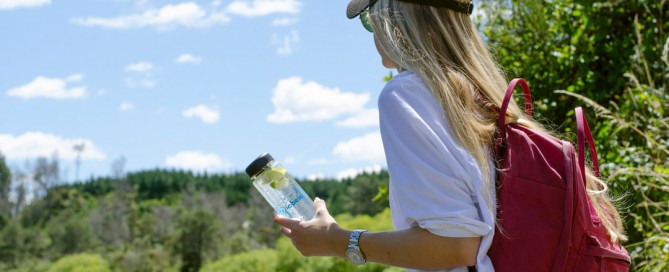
x=434, y=182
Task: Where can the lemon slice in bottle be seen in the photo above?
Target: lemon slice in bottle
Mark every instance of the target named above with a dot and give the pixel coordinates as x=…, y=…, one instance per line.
x=279, y=184
x=276, y=177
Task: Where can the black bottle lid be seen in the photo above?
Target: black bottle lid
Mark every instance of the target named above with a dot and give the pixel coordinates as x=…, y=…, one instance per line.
x=258, y=164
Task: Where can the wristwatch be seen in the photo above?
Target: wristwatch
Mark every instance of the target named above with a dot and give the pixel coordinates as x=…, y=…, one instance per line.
x=353, y=253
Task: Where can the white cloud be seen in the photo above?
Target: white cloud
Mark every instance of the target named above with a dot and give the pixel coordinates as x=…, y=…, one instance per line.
x=285, y=44
x=39, y=144
x=186, y=14
x=321, y=161
x=197, y=161
x=140, y=67
x=264, y=7
x=216, y=3
x=364, y=118
x=125, y=106
x=288, y=160
x=188, y=58
x=353, y=172
x=12, y=4
x=368, y=147
x=203, y=112
x=295, y=100
x=287, y=21
x=140, y=83
x=75, y=78
x=50, y=88
x=145, y=70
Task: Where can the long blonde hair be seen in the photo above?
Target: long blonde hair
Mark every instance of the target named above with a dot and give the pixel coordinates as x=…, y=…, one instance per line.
x=444, y=49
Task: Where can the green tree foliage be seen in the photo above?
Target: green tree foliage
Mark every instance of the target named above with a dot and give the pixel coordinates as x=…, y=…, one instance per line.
x=71, y=234
x=81, y=263
x=196, y=236
x=19, y=247
x=12, y=246
x=351, y=195
x=580, y=46
x=56, y=200
x=5, y=186
x=142, y=257
x=157, y=184
x=254, y=261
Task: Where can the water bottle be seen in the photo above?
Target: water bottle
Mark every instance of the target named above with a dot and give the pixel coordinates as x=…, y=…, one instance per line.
x=280, y=189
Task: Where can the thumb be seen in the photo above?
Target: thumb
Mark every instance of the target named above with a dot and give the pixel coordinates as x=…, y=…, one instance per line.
x=319, y=204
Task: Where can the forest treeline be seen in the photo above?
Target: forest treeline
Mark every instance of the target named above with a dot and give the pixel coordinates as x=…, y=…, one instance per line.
x=159, y=220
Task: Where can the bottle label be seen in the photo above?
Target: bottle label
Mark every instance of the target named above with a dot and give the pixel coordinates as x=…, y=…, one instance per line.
x=294, y=201
x=284, y=210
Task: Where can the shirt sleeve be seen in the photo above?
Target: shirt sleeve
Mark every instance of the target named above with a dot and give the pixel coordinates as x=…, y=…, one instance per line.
x=432, y=177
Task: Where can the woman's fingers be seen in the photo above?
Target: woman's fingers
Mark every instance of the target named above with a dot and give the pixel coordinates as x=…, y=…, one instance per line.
x=286, y=231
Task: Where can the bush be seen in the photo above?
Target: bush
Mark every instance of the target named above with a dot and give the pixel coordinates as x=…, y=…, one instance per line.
x=635, y=139
x=81, y=263
x=253, y=261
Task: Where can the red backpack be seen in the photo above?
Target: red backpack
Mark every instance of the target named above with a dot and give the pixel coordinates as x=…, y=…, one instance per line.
x=545, y=219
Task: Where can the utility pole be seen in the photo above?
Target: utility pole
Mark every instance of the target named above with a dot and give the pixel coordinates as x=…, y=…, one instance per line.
x=79, y=148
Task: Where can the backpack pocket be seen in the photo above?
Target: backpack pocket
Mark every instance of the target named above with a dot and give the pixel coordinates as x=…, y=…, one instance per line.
x=596, y=256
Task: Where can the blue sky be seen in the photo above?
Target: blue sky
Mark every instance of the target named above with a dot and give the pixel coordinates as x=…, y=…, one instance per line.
x=201, y=85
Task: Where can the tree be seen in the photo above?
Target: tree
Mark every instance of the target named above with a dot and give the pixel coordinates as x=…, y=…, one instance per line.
x=5, y=187
x=70, y=234
x=580, y=46
x=11, y=243
x=196, y=235
x=47, y=173
x=21, y=193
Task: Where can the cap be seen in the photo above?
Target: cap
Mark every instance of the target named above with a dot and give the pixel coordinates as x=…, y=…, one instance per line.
x=355, y=7
x=258, y=164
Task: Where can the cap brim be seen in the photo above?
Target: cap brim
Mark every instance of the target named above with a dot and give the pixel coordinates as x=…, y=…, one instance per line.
x=355, y=7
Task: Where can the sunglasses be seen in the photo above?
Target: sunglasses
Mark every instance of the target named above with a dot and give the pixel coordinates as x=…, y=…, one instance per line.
x=364, y=18
x=365, y=21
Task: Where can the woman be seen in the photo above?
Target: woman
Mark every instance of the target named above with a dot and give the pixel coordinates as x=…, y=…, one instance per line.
x=437, y=135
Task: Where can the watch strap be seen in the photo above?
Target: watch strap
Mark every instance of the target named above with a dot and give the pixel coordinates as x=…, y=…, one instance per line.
x=354, y=245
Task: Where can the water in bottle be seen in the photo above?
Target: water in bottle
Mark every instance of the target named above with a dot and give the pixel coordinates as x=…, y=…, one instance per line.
x=280, y=189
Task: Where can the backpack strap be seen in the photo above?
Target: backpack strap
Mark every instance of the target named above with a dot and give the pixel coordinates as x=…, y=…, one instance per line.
x=501, y=122
x=499, y=141
x=584, y=134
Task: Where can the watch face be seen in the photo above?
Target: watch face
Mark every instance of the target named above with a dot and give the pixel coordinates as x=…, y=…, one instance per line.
x=354, y=257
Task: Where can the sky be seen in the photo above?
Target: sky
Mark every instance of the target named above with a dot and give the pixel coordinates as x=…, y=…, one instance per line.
x=195, y=85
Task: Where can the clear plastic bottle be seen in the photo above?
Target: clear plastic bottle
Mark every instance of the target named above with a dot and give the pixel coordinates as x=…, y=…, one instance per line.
x=280, y=189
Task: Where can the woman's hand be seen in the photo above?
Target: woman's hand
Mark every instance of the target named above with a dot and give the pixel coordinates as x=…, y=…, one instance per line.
x=320, y=236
